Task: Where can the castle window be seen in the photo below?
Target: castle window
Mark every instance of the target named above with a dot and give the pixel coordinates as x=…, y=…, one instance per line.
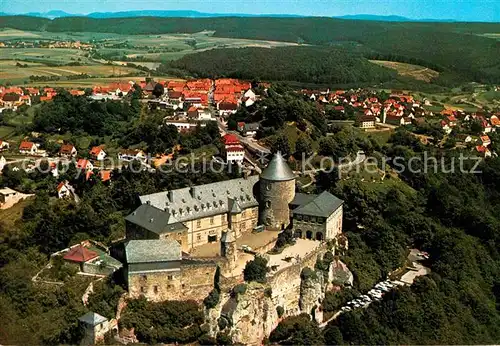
x=198, y=223
x=212, y=238
x=183, y=286
x=144, y=277
x=268, y=204
x=155, y=289
x=170, y=277
x=179, y=234
x=212, y=220
x=243, y=213
x=198, y=237
x=169, y=286
x=268, y=187
x=143, y=289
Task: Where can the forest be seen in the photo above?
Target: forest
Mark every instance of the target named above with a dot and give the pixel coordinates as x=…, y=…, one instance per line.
x=454, y=48
x=319, y=65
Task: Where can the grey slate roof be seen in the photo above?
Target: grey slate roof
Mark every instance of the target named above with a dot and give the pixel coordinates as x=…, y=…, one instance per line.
x=251, y=127
x=278, y=169
x=92, y=318
x=302, y=198
x=156, y=250
x=155, y=220
x=188, y=204
x=324, y=205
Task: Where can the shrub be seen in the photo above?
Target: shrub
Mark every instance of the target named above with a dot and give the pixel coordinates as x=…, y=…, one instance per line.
x=256, y=270
x=239, y=289
x=280, y=310
x=308, y=273
x=222, y=322
x=268, y=292
x=212, y=299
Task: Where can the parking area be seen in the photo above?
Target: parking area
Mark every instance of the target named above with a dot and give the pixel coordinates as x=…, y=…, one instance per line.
x=407, y=278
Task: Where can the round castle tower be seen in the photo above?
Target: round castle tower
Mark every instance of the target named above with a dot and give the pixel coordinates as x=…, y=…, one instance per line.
x=277, y=190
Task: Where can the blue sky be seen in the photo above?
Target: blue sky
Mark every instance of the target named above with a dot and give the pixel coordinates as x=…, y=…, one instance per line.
x=463, y=10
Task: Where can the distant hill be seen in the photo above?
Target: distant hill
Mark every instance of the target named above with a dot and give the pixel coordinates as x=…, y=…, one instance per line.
x=51, y=14
x=390, y=18
x=197, y=14
x=181, y=14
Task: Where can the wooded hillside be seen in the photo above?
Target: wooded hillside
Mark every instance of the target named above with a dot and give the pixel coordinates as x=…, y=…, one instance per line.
x=455, y=48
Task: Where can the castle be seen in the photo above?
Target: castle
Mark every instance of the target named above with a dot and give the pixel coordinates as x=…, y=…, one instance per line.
x=167, y=228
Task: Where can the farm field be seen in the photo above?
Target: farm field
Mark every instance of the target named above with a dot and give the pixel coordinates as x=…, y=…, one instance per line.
x=116, y=46
x=9, y=72
x=89, y=82
x=54, y=56
x=415, y=71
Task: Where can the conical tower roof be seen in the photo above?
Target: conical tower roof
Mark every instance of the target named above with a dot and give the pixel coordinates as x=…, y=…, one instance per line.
x=278, y=169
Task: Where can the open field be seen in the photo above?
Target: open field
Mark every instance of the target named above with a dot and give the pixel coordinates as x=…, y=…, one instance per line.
x=89, y=82
x=414, y=71
x=151, y=48
x=10, y=217
x=9, y=72
x=56, y=56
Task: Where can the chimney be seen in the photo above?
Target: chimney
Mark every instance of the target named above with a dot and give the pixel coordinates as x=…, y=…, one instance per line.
x=192, y=191
x=171, y=196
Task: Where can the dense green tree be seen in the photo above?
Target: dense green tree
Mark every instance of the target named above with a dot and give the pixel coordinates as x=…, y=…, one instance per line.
x=256, y=270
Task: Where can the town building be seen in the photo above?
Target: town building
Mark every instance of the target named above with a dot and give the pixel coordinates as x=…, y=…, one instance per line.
x=28, y=148
x=97, y=153
x=317, y=216
x=4, y=145
x=68, y=150
x=367, y=122
x=233, y=150
x=84, y=164
x=131, y=155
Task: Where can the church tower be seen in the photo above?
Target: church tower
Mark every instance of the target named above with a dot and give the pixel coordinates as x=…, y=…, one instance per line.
x=277, y=190
x=228, y=249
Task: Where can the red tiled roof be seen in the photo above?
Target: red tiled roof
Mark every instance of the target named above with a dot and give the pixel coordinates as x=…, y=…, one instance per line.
x=230, y=139
x=26, y=145
x=60, y=186
x=66, y=149
x=80, y=254
x=235, y=148
x=95, y=151
x=82, y=164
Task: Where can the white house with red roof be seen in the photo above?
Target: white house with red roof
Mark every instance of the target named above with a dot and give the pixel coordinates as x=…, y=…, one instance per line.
x=233, y=149
x=97, y=153
x=28, y=148
x=68, y=150
x=485, y=140
x=84, y=165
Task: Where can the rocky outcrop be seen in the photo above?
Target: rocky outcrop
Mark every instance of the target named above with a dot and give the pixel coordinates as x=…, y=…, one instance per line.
x=312, y=290
x=247, y=317
x=250, y=315
x=339, y=274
